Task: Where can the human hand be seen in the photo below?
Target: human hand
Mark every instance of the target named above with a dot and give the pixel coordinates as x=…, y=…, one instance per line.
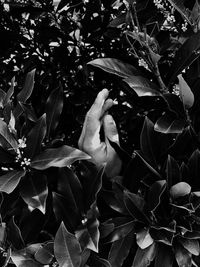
x=90, y=142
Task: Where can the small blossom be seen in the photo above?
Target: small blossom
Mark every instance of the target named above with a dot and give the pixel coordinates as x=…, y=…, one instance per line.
x=22, y=143
x=143, y=63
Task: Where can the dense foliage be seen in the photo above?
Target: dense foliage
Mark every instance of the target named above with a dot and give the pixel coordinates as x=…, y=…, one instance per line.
x=56, y=207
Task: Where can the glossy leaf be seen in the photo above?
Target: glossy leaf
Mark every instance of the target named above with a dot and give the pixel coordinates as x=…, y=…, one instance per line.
x=144, y=239
x=21, y=259
x=57, y=157
x=183, y=257
x=45, y=254
x=64, y=211
x=2, y=233
x=164, y=256
x=142, y=86
x=9, y=93
x=144, y=257
x=120, y=250
x=191, y=245
x=155, y=193
x=10, y=180
x=67, y=248
x=172, y=171
x=6, y=138
x=25, y=93
x=179, y=190
x=34, y=191
x=114, y=66
x=89, y=235
x=122, y=226
x=185, y=92
x=14, y=234
x=54, y=108
x=135, y=205
x=69, y=186
x=92, y=186
x=162, y=235
x=2, y=97
x=186, y=54
x=194, y=169
x=167, y=123
x=27, y=89
x=35, y=137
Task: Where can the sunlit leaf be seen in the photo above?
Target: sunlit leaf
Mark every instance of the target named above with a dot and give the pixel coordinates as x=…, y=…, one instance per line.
x=67, y=248
x=142, y=86
x=185, y=92
x=34, y=191
x=180, y=189
x=144, y=239
x=191, y=245
x=6, y=138
x=21, y=259
x=183, y=257
x=144, y=257
x=10, y=180
x=114, y=66
x=57, y=157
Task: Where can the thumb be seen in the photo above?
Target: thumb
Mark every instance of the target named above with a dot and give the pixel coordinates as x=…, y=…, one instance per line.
x=110, y=129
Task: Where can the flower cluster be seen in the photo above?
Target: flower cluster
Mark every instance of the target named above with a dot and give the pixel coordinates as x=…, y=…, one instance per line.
x=24, y=162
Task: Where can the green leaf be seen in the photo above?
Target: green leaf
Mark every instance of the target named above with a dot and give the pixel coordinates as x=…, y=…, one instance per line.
x=92, y=184
x=35, y=137
x=28, y=111
x=2, y=233
x=69, y=186
x=34, y=191
x=14, y=234
x=179, y=190
x=164, y=256
x=144, y=257
x=194, y=170
x=155, y=193
x=27, y=89
x=151, y=168
x=121, y=227
x=183, y=257
x=45, y=254
x=184, y=57
x=144, y=239
x=135, y=205
x=9, y=93
x=7, y=141
x=162, y=234
x=25, y=93
x=21, y=259
x=64, y=211
x=142, y=86
x=168, y=123
x=10, y=180
x=58, y=157
x=89, y=235
x=67, y=248
x=54, y=108
x=172, y=171
x=114, y=66
x=2, y=97
x=120, y=250
x=191, y=245
x=185, y=92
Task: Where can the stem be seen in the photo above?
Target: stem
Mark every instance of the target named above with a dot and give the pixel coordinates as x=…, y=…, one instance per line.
x=135, y=15
x=159, y=78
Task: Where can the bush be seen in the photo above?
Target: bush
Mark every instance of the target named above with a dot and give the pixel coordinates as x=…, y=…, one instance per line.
x=57, y=208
